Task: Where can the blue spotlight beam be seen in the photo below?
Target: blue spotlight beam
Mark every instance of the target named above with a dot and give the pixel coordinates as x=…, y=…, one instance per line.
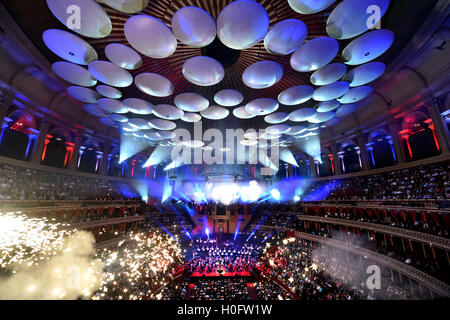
x=130, y=146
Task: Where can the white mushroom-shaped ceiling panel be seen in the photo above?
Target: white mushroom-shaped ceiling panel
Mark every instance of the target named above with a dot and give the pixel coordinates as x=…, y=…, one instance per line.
x=203, y=71
x=350, y=18
x=150, y=36
x=314, y=54
x=127, y=6
x=285, y=37
x=191, y=102
x=110, y=74
x=228, y=97
x=262, y=74
x=242, y=24
x=193, y=26
x=95, y=23
x=310, y=6
x=74, y=74
x=69, y=46
x=123, y=56
x=154, y=84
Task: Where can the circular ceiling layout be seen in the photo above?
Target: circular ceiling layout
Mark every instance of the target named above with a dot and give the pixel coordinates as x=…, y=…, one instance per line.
x=308, y=61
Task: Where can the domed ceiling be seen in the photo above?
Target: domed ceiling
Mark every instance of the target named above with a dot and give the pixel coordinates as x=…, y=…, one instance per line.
x=153, y=66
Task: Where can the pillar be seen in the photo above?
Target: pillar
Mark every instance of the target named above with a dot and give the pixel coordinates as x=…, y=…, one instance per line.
x=105, y=158
x=73, y=161
x=337, y=165
x=4, y=106
x=439, y=128
x=312, y=167
x=398, y=150
x=36, y=156
x=363, y=151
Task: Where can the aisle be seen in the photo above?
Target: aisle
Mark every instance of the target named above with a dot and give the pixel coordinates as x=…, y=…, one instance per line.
x=252, y=291
x=190, y=288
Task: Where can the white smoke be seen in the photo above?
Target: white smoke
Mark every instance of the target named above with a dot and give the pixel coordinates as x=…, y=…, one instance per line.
x=71, y=273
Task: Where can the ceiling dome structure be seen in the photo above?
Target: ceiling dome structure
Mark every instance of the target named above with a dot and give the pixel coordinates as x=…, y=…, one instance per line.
x=293, y=62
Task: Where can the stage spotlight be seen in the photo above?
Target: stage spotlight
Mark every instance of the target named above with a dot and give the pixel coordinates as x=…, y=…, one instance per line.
x=158, y=156
x=250, y=193
x=207, y=232
x=174, y=164
x=142, y=189
x=275, y=194
x=296, y=198
x=287, y=156
x=167, y=191
x=130, y=146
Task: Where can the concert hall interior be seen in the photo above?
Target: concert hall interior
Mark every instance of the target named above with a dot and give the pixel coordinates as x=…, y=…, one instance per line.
x=224, y=150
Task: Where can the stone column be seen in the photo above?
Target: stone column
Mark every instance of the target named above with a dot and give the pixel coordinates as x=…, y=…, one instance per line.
x=393, y=131
x=40, y=142
x=312, y=167
x=104, y=163
x=73, y=164
x=363, y=151
x=440, y=128
x=336, y=163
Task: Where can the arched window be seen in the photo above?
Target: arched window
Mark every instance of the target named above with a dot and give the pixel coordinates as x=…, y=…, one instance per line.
x=303, y=166
x=418, y=136
x=325, y=165
x=89, y=157
x=113, y=167
x=137, y=171
x=58, y=149
x=350, y=157
x=18, y=136
x=380, y=149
